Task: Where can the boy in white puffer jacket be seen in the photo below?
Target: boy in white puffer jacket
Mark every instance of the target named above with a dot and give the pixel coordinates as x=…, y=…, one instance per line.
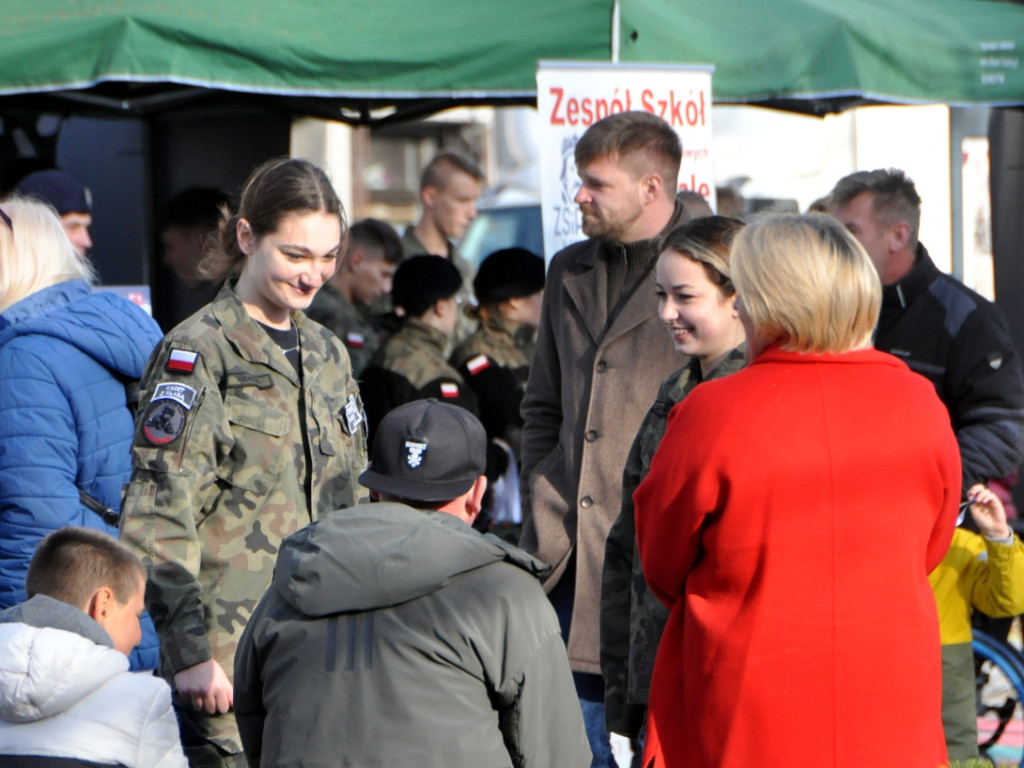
x=66, y=695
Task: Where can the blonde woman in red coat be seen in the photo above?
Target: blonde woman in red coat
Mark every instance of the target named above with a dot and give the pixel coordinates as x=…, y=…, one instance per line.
x=793, y=536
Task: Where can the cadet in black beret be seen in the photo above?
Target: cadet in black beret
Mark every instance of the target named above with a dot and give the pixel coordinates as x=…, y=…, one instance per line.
x=412, y=363
x=495, y=363
x=510, y=273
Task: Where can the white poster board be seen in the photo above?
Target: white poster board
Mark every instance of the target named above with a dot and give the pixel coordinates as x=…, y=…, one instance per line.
x=572, y=96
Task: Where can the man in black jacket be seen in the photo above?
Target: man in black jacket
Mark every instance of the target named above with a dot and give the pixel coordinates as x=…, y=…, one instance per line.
x=938, y=326
x=395, y=634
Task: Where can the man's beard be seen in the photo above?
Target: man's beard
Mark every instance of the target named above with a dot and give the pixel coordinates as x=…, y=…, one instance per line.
x=610, y=226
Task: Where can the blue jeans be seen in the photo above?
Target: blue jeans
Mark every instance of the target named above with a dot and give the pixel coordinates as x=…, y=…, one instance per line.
x=597, y=736
x=589, y=687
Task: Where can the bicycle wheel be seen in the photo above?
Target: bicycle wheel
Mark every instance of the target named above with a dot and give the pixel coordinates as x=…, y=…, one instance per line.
x=1000, y=692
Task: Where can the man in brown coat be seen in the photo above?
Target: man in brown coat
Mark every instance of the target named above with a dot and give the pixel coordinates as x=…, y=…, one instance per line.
x=601, y=353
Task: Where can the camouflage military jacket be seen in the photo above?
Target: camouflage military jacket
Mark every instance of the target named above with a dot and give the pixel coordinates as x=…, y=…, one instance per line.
x=411, y=365
x=336, y=313
x=231, y=454
x=495, y=363
x=465, y=326
x=628, y=648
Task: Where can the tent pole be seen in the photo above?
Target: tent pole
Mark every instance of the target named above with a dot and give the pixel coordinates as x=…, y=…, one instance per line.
x=615, y=31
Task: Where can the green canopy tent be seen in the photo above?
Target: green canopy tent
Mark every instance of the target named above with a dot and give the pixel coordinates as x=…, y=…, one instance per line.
x=822, y=56
x=359, y=62
x=396, y=59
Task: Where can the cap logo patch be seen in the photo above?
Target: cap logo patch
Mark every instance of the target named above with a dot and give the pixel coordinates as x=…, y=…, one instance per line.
x=414, y=453
x=449, y=389
x=182, y=360
x=995, y=360
x=164, y=422
x=477, y=364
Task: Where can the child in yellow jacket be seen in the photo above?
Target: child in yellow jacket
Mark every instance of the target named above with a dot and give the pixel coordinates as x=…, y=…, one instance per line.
x=980, y=572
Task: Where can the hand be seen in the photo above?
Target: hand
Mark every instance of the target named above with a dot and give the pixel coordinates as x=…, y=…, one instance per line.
x=206, y=686
x=988, y=512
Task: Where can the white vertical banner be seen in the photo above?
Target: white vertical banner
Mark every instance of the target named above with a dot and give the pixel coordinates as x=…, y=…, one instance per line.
x=572, y=96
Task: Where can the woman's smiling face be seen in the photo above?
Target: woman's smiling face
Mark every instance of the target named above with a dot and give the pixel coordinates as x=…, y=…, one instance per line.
x=285, y=268
x=699, y=317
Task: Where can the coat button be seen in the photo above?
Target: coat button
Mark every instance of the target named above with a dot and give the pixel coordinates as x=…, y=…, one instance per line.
x=592, y=435
x=586, y=502
x=602, y=366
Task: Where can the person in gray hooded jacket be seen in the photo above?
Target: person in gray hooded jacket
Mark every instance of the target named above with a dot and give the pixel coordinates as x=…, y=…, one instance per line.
x=395, y=634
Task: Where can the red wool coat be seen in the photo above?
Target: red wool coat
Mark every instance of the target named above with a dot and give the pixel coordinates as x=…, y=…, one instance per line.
x=789, y=520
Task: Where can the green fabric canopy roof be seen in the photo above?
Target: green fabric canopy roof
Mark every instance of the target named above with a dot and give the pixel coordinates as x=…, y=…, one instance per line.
x=344, y=59
x=836, y=53
x=125, y=53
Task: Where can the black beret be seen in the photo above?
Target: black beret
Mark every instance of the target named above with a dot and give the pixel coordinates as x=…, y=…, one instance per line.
x=508, y=274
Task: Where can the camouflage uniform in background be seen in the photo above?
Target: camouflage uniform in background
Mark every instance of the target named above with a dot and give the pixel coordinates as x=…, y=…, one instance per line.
x=495, y=363
x=411, y=365
x=232, y=453
x=628, y=648
x=348, y=322
x=465, y=326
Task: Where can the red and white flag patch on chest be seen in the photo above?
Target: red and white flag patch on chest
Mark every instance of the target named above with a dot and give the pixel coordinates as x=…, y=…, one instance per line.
x=182, y=360
x=477, y=364
x=449, y=389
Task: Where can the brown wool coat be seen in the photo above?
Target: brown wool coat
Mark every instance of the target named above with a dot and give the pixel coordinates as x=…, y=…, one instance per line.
x=589, y=389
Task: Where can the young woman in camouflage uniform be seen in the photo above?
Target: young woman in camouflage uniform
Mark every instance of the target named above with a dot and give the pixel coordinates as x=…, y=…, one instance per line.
x=695, y=300
x=250, y=426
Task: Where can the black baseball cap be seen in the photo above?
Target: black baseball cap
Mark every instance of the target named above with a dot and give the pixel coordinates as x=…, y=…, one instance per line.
x=427, y=450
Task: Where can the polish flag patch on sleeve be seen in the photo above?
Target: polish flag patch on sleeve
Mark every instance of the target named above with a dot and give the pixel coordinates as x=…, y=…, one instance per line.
x=182, y=361
x=477, y=364
x=449, y=389
x=355, y=340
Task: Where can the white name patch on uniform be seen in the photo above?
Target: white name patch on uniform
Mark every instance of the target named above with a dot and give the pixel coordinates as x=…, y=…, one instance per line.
x=353, y=415
x=179, y=393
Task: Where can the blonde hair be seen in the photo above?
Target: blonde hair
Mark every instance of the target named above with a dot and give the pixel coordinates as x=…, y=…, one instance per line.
x=806, y=282
x=35, y=252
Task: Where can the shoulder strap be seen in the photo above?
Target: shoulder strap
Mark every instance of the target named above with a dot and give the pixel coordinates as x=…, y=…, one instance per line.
x=109, y=516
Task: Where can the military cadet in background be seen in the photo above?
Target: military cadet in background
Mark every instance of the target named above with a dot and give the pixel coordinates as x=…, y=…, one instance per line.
x=449, y=188
x=495, y=363
x=70, y=197
x=364, y=275
x=186, y=223
x=411, y=363
x=250, y=428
